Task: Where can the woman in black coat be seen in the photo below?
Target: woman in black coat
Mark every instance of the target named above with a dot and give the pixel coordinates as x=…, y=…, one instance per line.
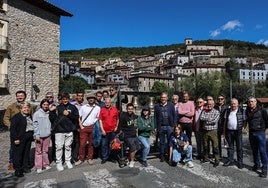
x=21, y=133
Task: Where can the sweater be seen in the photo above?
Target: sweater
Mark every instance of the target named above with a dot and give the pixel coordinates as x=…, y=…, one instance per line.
x=41, y=123
x=145, y=126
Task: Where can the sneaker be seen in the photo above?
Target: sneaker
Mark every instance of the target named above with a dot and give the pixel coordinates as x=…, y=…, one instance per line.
x=90, y=161
x=263, y=174
x=131, y=164
x=10, y=167
x=69, y=164
x=78, y=162
x=60, y=167
x=39, y=171
x=144, y=163
x=47, y=167
x=190, y=164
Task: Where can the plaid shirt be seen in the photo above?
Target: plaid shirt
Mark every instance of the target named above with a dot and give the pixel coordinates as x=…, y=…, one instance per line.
x=210, y=119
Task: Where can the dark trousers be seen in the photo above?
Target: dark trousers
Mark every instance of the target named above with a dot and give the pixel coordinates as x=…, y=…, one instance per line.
x=75, y=146
x=53, y=148
x=219, y=133
x=258, y=145
x=164, y=135
x=105, y=145
x=188, y=129
x=235, y=136
x=22, y=152
x=86, y=136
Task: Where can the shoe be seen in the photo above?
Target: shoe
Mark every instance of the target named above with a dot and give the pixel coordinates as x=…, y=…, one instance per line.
x=78, y=162
x=90, y=161
x=217, y=163
x=19, y=174
x=162, y=158
x=263, y=174
x=255, y=168
x=39, y=171
x=144, y=163
x=60, y=167
x=47, y=167
x=228, y=163
x=190, y=164
x=26, y=170
x=69, y=165
x=131, y=164
x=103, y=161
x=10, y=167
x=240, y=166
x=205, y=160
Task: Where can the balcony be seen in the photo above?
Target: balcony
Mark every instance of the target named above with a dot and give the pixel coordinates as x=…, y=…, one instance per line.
x=4, y=81
x=4, y=43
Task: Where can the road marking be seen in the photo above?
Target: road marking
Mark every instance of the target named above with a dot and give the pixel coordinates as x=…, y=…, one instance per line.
x=47, y=183
x=101, y=179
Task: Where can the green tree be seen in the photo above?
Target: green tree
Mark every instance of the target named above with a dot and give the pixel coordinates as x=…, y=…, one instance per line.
x=72, y=84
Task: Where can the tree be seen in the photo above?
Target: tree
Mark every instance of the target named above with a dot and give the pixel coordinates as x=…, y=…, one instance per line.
x=72, y=84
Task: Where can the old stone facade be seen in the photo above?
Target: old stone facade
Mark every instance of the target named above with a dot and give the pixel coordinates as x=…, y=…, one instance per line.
x=34, y=37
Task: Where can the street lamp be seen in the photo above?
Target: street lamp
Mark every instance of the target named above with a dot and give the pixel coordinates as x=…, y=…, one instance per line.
x=32, y=68
x=229, y=70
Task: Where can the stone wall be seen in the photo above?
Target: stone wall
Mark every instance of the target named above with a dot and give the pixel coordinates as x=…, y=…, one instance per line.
x=33, y=33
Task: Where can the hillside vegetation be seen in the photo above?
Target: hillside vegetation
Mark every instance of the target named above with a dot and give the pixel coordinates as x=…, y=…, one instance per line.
x=232, y=49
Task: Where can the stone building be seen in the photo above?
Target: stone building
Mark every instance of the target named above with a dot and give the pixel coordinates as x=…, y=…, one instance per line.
x=30, y=30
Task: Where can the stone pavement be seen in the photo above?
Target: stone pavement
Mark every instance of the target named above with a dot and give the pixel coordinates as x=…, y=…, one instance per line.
x=4, y=150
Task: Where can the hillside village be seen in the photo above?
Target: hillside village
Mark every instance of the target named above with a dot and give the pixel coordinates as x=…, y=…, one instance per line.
x=140, y=73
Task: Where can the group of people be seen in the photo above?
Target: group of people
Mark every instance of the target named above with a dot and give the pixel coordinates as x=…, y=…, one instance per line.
x=70, y=127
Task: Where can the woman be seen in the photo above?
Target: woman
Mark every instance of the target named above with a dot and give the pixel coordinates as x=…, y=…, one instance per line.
x=42, y=131
x=145, y=125
x=178, y=147
x=21, y=132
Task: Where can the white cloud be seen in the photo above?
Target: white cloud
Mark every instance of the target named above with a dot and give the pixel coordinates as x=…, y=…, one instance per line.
x=215, y=33
x=262, y=41
x=231, y=25
x=258, y=26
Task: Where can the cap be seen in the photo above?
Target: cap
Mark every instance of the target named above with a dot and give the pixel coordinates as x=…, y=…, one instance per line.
x=91, y=96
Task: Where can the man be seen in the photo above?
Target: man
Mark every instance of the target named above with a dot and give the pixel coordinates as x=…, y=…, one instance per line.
x=210, y=118
x=99, y=101
x=257, y=119
x=128, y=126
x=222, y=107
x=165, y=121
x=89, y=114
x=198, y=127
x=186, y=114
x=11, y=110
x=78, y=103
x=234, y=122
x=109, y=119
x=66, y=115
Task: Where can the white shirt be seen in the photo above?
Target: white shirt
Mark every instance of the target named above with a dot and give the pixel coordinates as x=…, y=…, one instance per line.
x=232, y=121
x=93, y=117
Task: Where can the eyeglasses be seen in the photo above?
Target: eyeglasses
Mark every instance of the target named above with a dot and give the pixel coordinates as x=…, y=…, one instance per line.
x=175, y=99
x=220, y=98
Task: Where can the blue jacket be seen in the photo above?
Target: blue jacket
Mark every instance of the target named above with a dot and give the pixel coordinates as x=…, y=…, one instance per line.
x=171, y=115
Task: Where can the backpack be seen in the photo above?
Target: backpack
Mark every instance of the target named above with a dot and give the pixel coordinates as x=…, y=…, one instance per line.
x=115, y=144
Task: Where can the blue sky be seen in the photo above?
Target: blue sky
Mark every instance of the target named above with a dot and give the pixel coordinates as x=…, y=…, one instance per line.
x=141, y=23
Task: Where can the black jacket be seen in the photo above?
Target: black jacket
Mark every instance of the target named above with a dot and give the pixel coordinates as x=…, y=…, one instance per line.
x=127, y=124
x=61, y=123
x=18, y=127
x=257, y=119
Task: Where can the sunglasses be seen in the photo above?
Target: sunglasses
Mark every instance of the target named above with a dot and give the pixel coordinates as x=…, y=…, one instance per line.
x=220, y=98
x=199, y=102
x=49, y=97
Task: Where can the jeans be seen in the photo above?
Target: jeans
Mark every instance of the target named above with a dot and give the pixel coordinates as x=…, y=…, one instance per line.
x=65, y=139
x=164, y=135
x=105, y=145
x=235, y=136
x=258, y=145
x=146, y=146
x=176, y=157
x=41, y=153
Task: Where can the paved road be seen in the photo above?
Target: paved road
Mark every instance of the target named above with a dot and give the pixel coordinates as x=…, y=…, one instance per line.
x=155, y=175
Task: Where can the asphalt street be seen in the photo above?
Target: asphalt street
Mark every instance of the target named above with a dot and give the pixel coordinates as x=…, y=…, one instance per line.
x=156, y=175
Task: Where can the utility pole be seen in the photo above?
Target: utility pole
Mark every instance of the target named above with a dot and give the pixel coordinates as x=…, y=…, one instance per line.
x=251, y=73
